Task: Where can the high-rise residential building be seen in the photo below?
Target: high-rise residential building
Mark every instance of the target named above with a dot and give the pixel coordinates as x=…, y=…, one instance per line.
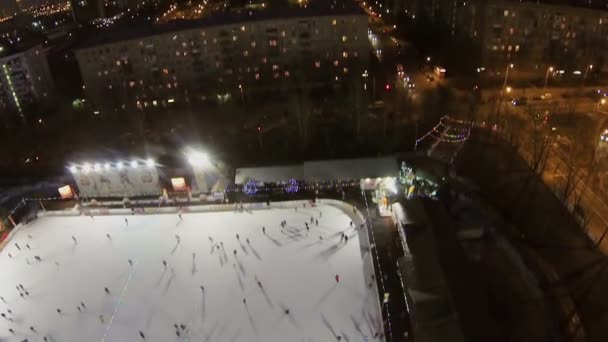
x=225, y=53
x=8, y=8
x=83, y=11
x=534, y=36
x=25, y=80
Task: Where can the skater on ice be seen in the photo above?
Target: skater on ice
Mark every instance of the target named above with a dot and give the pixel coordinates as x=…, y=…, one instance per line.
x=237, y=236
x=17, y=245
x=126, y=222
x=74, y=239
x=107, y=290
x=141, y=334
x=108, y=236
x=263, y=230
x=37, y=258
x=165, y=263
x=28, y=246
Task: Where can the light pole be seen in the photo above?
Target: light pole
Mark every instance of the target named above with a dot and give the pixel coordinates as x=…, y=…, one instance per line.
x=502, y=90
x=549, y=69
x=242, y=96
x=589, y=67
x=599, y=103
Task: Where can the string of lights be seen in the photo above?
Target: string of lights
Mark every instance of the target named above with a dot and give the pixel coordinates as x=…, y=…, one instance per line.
x=443, y=131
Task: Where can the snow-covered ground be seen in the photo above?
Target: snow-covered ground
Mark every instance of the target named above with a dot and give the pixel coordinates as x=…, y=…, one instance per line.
x=296, y=270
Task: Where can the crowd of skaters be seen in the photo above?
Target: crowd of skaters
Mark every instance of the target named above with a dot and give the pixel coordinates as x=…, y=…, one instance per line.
x=180, y=329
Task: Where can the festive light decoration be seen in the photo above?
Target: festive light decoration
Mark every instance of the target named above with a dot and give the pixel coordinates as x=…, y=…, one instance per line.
x=250, y=188
x=449, y=130
x=292, y=186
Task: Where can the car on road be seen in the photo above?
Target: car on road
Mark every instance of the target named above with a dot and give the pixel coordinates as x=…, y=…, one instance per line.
x=520, y=101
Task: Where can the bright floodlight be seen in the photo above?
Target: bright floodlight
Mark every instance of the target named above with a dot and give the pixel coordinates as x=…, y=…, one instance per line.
x=196, y=158
x=119, y=165
x=134, y=163
x=106, y=166
x=97, y=167
x=150, y=163
x=73, y=169
x=86, y=167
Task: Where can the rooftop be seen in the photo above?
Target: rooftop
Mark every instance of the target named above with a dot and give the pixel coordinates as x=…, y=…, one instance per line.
x=129, y=28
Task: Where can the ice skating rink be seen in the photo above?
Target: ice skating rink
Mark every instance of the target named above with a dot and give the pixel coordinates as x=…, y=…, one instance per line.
x=296, y=270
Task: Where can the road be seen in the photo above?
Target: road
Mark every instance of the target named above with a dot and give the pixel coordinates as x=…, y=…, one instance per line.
x=563, y=168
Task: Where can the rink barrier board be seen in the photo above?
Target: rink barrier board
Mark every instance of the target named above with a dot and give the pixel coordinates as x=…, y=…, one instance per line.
x=102, y=211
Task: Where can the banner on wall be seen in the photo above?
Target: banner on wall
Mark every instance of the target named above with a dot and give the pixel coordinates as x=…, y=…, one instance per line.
x=117, y=180
x=66, y=192
x=179, y=184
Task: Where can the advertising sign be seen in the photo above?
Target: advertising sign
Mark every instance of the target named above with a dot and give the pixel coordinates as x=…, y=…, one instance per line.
x=118, y=180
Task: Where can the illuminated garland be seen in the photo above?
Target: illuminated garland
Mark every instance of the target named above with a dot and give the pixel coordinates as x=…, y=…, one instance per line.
x=292, y=186
x=444, y=132
x=250, y=188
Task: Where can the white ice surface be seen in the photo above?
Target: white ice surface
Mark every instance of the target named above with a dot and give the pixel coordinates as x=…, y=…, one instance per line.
x=296, y=268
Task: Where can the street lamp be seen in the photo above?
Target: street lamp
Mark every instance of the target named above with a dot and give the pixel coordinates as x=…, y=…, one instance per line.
x=503, y=89
x=589, y=67
x=549, y=69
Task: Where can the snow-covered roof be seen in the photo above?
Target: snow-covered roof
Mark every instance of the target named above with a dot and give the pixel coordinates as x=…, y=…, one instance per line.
x=321, y=170
x=270, y=174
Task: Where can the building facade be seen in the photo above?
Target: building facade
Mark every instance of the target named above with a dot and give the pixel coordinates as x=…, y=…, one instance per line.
x=210, y=61
x=83, y=11
x=534, y=36
x=9, y=8
x=25, y=81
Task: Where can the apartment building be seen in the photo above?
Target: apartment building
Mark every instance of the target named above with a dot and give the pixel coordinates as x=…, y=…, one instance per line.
x=224, y=54
x=533, y=36
x=25, y=80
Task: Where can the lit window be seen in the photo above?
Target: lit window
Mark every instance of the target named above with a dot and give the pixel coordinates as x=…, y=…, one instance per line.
x=516, y=48
x=118, y=63
x=333, y=22
x=509, y=48
x=506, y=13
x=253, y=44
x=286, y=74
x=344, y=38
x=344, y=54
x=243, y=28
x=234, y=38
x=257, y=76
x=317, y=64
x=272, y=42
x=264, y=60
x=345, y=70
x=282, y=33
x=275, y=67
x=166, y=71
x=132, y=84
x=336, y=63
x=245, y=53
